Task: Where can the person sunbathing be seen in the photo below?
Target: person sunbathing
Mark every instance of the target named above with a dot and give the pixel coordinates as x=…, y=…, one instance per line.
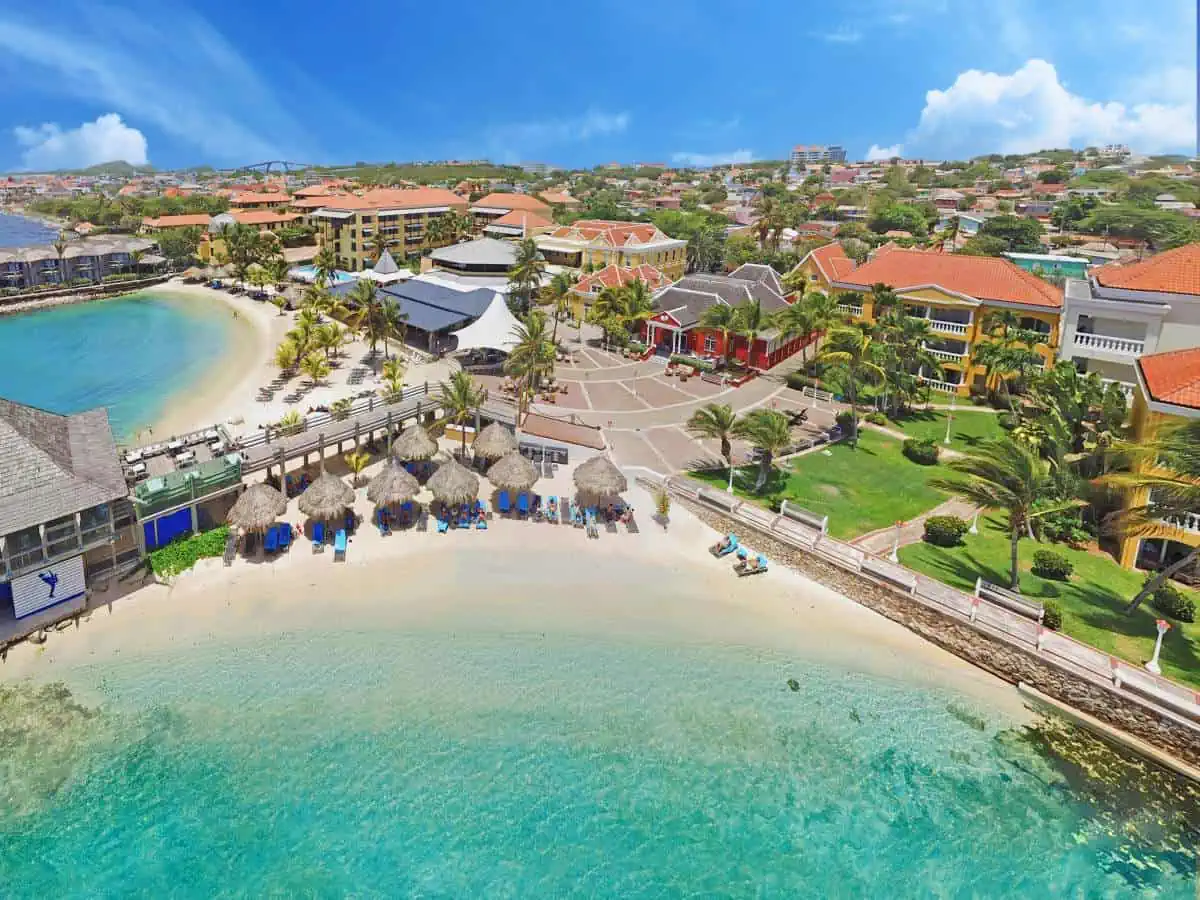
x=724, y=545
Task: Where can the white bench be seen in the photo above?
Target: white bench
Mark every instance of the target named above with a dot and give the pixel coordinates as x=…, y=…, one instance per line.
x=722, y=500
x=1010, y=600
x=804, y=517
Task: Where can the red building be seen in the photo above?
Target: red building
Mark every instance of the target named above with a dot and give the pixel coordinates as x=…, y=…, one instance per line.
x=676, y=325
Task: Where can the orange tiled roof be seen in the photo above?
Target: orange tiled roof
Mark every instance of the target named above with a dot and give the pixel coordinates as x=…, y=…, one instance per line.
x=617, y=276
x=522, y=218
x=1173, y=377
x=314, y=202
x=559, y=197
x=981, y=277
x=397, y=198
x=615, y=234
x=186, y=220
x=1171, y=272
x=261, y=216
x=832, y=261
x=257, y=197
x=512, y=201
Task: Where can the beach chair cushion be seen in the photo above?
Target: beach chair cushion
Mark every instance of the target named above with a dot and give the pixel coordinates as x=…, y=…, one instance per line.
x=285, y=536
x=339, y=541
x=318, y=536
x=504, y=502
x=271, y=543
x=443, y=526
x=523, y=504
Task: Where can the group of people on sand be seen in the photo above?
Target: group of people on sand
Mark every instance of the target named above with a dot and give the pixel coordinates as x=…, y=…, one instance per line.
x=746, y=563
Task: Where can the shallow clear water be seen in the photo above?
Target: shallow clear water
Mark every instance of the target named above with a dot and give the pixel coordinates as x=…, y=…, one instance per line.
x=434, y=765
x=131, y=354
x=17, y=231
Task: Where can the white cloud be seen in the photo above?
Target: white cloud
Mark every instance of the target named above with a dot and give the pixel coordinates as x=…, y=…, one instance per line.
x=877, y=153
x=1031, y=109
x=843, y=34
x=107, y=139
x=704, y=160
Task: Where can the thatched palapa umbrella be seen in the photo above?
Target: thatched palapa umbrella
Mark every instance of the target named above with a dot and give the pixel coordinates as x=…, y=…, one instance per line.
x=257, y=509
x=598, y=477
x=392, y=485
x=493, y=442
x=326, y=498
x=513, y=472
x=452, y=484
x=414, y=443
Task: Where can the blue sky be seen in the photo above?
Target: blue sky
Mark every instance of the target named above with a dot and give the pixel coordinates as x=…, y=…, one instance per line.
x=228, y=82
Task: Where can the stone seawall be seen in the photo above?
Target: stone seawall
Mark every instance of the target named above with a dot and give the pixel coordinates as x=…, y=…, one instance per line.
x=19, y=303
x=1001, y=659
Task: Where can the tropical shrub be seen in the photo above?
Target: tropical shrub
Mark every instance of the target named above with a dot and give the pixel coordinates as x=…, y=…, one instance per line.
x=1064, y=527
x=798, y=381
x=922, y=451
x=700, y=365
x=1174, y=603
x=845, y=420
x=945, y=531
x=1051, y=616
x=876, y=418
x=1055, y=566
x=1008, y=421
x=183, y=553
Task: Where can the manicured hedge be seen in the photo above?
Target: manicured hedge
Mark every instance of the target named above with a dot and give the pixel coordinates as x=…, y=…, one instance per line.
x=700, y=365
x=183, y=553
x=1174, y=603
x=922, y=451
x=945, y=531
x=1055, y=566
x=1051, y=615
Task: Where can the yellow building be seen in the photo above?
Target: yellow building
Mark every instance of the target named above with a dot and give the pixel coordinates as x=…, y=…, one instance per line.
x=592, y=244
x=1168, y=388
x=349, y=223
x=956, y=293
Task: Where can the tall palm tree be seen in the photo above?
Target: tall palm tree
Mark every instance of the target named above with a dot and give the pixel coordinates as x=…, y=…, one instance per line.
x=704, y=249
x=558, y=292
x=638, y=302
x=608, y=310
x=769, y=432
x=721, y=317
x=849, y=352
x=1167, y=475
x=526, y=273
x=315, y=367
x=717, y=421
x=750, y=321
x=1006, y=476
x=324, y=266
x=532, y=359
x=368, y=316
x=393, y=324
x=60, y=248
x=461, y=396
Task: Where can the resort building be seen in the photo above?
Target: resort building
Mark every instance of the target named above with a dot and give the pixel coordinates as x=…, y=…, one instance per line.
x=65, y=517
x=151, y=225
x=561, y=198
x=259, y=200
x=350, y=223
x=480, y=257
x=957, y=294
x=262, y=219
x=489, y=208
x=676, y=327
x=89, y=259
x=802, y=154
x=1168, y=387
x=1121, y=312
x=518, y=224
x=1050, y=265
x=591, y=244
x=590, y=286
x=823, y=266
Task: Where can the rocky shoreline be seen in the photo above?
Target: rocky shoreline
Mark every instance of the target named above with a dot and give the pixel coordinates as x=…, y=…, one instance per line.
x=18, y=303
x=1003, y=660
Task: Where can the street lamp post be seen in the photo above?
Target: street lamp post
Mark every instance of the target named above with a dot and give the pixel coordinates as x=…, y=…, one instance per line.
x=1163, y=627
x=974, y=529
x=950, y=419
x=894, y=556
x=729, y=489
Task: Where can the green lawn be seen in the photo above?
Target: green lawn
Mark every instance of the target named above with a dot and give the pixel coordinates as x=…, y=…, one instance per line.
x=970, y=426
x=860, y=490
x=1091, y=603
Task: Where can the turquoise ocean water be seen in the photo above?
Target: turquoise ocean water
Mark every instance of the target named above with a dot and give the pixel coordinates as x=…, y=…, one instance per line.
x=434, y=765
x=130, y=354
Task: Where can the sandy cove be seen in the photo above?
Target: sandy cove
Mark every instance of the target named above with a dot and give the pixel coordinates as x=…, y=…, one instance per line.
x=527, y=577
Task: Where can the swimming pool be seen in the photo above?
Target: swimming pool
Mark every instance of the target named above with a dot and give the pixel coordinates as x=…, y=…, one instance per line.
x=309, y=274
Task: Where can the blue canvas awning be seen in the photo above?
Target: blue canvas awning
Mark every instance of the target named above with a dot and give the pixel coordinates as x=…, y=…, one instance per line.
x=430, y=307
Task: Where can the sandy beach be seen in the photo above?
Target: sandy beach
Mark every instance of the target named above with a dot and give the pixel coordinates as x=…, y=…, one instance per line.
x=521, y=577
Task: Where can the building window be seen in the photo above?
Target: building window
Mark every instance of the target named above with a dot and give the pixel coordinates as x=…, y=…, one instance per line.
x=1039, y=325
x=710, y=343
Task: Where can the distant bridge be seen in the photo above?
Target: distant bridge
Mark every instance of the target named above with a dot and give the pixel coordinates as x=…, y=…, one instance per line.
x=273, y=165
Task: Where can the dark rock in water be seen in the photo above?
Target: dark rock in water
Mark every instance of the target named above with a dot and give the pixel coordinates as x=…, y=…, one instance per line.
x=855, y=717
x=793, y=684
x=967, y=717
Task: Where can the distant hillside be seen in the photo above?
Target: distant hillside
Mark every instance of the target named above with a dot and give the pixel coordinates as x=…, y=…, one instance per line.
x=117, y=167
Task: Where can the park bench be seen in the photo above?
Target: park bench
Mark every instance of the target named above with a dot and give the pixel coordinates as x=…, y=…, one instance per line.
x=1010, y=600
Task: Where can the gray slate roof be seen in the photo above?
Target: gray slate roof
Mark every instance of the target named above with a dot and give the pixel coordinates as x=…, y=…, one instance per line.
x=482, y=251
x=687, y=299
x=53, y=465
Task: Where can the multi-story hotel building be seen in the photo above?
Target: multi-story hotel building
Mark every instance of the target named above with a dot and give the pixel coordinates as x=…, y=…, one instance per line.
x=349, y=223
x=592, y=244
x=1121, y=312
x=803, y=154
x=90, y=259
x=955, y=293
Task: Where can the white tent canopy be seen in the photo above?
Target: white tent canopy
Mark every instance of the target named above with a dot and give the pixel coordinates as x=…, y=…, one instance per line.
x=386, y=271
x=494, y=330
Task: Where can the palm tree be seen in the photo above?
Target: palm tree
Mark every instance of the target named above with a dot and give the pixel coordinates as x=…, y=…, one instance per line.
x=329, y=337
x=60, y=248
x=526, y=273
x=394, y=325
x=1006, y=476
x=324, y=266
x=704, y=250
x=461, y=396
x=356, y=462
x=533, y=357
x=607, y=310
x=849, y=352
x=639, y=304
x=1168, y=477
x=718, y=422
x=280, y=302
x=340, y=409
x=721, y=317
x=768, y=430
x=314, y=366
x=287, y=355
x=291, y=422
x=558, y=292
x=393, y=377
x=368, y=314
x=749, y=322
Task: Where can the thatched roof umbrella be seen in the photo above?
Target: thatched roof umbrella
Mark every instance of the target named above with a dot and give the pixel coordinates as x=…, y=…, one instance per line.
x=493, y=442
x=414, y=443
x=257, y=509
x=513, y=472
x=326, y=498
x=452, y=484
x=392, y=485
x=598, y=477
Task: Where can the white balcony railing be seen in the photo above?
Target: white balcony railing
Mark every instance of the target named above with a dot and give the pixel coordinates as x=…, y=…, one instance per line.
x=949, y=327
x=850, y=309
x=1126, y=388
x=1189, y=522
x=944, y=387
x=1120, y=346
x=946, y=355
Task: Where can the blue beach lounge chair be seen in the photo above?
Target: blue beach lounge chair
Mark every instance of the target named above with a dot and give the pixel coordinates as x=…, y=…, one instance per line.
x=481, y=519
x=725, y=546
x=552, y=510
x=522, y=504
x=751, y=567
x=285, y=536
x=443, y=526
x=339, y=543
x=503, y=503
x=464, y=520
x=577, y=517
x=271, y=542
x=318, y=538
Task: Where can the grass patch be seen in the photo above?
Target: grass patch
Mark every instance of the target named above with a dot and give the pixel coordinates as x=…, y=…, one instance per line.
x=180, y=555
x=969, y=429
x=860, y=490
x=1092, y=602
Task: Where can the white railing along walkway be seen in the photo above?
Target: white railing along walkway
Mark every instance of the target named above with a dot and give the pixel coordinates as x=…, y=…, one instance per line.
x=1122, y=346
